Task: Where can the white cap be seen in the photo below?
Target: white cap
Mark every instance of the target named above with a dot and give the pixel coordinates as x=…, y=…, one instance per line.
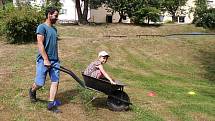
x=103, y=53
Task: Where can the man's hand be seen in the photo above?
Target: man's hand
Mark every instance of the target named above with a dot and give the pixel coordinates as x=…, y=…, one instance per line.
x=47, y=63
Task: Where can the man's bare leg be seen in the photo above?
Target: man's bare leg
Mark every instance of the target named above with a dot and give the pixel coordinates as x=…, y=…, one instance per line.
x=53, y=91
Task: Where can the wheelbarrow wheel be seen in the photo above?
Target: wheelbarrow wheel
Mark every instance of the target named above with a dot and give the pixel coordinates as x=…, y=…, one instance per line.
x=118, y=101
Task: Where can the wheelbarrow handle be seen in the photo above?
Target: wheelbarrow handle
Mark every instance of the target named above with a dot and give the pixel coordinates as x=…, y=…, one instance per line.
x=65, y=70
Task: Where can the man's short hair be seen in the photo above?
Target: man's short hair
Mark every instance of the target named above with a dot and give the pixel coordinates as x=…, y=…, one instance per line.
x=50, y=10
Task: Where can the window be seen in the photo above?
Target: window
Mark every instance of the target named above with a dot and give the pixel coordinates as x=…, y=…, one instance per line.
x=210, y=1
x=181, y=19
x=63, y=11
x=124, y=17
x=109, y=18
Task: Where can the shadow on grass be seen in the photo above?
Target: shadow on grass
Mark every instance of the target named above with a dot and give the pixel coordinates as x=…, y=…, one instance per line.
x=208, y=62
x=100, y=103
x=42, y=101
x=67, y=96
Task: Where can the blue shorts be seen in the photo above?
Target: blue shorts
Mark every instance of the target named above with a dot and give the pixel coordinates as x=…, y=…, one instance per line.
x=41, y=72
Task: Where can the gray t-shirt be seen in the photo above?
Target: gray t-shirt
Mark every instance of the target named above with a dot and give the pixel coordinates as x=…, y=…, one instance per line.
x=93, y=70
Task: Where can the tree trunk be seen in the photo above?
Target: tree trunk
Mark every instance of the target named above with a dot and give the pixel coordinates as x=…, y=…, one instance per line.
x=174, y=19
x=121, y=17
x=85, y=12
x=148, y=18
x=3, y=4
x=78, y=7
x=82, y=17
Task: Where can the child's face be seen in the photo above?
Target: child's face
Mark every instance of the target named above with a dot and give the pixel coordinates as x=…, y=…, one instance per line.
x=103, y=59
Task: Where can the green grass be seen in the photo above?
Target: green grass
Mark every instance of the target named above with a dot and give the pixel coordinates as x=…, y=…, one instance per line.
x=169, y=66
x=145, y=115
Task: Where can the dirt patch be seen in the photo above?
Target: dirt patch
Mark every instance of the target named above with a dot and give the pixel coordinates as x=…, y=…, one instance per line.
x=72, y=112
x=200, y=117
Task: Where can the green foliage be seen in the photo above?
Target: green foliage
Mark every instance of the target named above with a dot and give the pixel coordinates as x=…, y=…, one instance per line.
x=208, y=19
x=94, y=4
x=86, y=95
x=140, y=11
x=53, y=3
x=9, y=1
x=203, y=15
x=146, y=13
x=20, y=23
x=3, y=16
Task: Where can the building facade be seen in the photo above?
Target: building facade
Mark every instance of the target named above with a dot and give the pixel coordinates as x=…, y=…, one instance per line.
x=68, y=13
x=186, y=13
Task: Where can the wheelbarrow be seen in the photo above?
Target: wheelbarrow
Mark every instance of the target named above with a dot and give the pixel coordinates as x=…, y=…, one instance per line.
x=117, y=99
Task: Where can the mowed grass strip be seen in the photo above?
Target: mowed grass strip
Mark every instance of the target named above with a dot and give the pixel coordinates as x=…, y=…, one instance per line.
x=170, y=67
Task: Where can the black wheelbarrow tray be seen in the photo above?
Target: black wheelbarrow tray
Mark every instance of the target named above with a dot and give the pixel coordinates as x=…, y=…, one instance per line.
x=117, y=99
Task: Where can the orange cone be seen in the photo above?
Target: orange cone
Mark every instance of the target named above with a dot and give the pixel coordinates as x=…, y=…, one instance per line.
x=151, y=94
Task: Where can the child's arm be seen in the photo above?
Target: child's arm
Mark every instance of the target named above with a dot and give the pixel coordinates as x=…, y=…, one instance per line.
x=105, y=74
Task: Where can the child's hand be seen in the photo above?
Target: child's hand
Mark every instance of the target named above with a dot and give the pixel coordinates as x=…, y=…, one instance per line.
x=112, y=82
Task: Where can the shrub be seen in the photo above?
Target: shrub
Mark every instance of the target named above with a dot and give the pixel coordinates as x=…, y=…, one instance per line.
x=207, y=19
x=168, y=22
x=203, y=16
x=21, y=23
x=3, y=16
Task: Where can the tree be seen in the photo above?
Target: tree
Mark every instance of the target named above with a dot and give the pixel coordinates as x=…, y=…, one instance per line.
x=172, y=6
x=204, y=16
x=141, y=10
x=119, y=6
x=200, y=9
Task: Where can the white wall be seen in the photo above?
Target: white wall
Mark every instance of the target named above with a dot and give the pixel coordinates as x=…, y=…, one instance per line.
x=68, y=11
x=211, y=3
x=186, y=13
x=99, y=16
x=37, y=2
x=189, y=16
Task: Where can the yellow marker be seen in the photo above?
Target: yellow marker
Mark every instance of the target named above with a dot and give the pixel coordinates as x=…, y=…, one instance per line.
x=191, y=93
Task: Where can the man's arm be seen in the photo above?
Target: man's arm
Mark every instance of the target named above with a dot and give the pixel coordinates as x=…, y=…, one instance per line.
x=40, y=40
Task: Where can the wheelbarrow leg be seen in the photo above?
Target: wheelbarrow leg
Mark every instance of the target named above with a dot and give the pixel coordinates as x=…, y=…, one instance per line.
x=94, y=97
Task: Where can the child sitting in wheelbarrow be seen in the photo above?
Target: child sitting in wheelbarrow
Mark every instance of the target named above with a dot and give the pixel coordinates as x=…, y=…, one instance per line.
x=96, y=70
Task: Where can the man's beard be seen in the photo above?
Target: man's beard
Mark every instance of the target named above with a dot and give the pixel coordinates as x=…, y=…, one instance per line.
x=53, y=21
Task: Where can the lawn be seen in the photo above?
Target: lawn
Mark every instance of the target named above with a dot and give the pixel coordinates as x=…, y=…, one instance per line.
x=169, y=66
